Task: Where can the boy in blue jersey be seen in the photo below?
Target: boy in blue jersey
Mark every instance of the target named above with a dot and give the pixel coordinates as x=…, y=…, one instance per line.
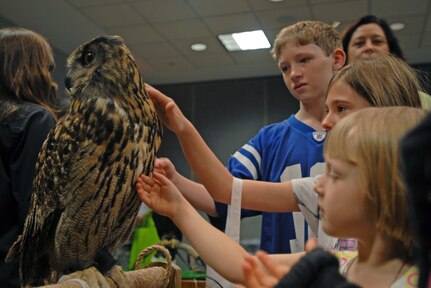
x=307, y=53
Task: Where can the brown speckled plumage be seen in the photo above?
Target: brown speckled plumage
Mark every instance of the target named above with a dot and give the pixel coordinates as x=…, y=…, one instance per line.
x=84, y=203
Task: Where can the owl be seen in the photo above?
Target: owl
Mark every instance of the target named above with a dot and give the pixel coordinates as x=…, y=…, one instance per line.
x=83, y=203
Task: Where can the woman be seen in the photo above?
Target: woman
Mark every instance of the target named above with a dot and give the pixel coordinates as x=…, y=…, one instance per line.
x=369, y=35
x=27, y=114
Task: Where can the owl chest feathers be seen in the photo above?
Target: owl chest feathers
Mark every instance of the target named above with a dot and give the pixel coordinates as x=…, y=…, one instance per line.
x=110, y=148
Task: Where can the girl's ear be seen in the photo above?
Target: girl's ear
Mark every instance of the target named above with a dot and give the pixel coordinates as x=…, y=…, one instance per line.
x=339, y=59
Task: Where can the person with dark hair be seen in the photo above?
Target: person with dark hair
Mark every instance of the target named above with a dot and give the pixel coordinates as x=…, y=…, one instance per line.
x=367, y=35
x=416, y=157
x=370, y=34
x=27, y=113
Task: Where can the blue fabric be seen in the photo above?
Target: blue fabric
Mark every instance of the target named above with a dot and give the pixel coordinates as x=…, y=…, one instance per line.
x=279, y=145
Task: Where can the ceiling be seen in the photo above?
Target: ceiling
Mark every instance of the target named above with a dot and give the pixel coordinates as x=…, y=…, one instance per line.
x=160, y=32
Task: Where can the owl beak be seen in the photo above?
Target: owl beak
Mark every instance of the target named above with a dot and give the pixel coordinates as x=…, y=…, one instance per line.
x=67, y=83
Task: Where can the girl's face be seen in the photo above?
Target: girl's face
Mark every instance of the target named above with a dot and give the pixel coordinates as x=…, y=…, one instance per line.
x=366, y=40
x=341, y=100
x=342, y=204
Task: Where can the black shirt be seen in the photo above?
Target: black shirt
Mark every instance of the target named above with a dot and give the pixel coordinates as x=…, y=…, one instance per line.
x=21, y=137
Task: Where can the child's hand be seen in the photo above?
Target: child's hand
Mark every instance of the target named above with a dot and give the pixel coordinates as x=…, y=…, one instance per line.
x=159, y=193
x=167, y=110
x=266, y=275
x=166, y=167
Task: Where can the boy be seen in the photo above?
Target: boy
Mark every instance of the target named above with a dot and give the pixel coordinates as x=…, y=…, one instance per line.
x=307, y=53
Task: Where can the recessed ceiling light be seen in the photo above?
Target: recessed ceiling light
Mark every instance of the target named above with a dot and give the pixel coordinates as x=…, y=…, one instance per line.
x=276, y=0
x=397, y=26
x=250, y=40
x=198, y=47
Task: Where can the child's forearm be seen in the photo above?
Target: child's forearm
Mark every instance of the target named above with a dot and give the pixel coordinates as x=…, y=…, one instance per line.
x=196, y=194
x=214, y=176
x=216, y=249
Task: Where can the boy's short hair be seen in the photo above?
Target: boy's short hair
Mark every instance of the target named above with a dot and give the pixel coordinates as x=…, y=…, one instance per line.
x=308, y=32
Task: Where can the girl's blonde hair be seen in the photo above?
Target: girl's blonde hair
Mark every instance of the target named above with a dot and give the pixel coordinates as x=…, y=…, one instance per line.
x=369, y=139
x=383, y=80
x=308, y=32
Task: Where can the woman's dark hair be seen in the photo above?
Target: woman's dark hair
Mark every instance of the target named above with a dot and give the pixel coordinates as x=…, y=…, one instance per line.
x=394, y=46
x=26, y=61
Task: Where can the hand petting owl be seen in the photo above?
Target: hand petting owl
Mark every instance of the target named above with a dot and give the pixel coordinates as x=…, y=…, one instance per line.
x=84, y=204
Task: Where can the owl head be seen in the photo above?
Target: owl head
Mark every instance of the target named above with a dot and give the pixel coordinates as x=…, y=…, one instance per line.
x=102, y=67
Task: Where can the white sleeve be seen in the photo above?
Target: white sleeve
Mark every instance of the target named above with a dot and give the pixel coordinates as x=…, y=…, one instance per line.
x=303, y=191
x=308, y=203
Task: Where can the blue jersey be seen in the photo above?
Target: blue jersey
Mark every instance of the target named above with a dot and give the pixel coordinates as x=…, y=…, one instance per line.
x=279, y=152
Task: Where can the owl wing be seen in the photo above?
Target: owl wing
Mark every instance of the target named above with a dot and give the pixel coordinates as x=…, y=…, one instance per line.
x=53, y=188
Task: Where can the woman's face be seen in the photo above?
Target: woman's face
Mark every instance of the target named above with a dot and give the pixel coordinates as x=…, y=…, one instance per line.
x=341, y=100
x=366, y=40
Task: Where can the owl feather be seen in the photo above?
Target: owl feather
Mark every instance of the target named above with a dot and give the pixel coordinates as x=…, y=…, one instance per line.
x=83, y=202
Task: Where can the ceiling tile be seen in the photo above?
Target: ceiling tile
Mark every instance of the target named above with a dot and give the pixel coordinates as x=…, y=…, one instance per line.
x=172, y=64
x=113, y=15
x=210, y=60
x=213, y=45
x=63, y=25
x=253, y=56
x=137, y=34
x=219, y=7
x=268, y=5
x=88, y=3
x=330, y=12
x=183, y=29
x=277, y=19
x=163, y=30
x=314, y=2
x=399, y=7
x=157, y=11
x=232, y=23
x=149, y=50
x=414, y=24
x=418, y=56
x=409, y=41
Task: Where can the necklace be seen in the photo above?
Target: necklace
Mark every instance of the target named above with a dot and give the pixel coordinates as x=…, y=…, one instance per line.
x=349, y=265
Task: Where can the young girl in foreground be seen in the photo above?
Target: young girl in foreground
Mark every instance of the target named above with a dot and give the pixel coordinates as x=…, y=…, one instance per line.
x=362, y=178
x=362, y=156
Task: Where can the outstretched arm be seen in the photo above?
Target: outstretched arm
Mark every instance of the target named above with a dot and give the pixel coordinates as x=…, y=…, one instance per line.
x=214, y=247
x=217, y=250
x=278, y=197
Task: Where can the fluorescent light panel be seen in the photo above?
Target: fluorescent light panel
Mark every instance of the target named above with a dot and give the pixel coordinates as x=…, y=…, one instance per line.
x=250, y=40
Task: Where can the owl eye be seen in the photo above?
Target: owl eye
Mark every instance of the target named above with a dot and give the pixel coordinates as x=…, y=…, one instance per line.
x=88, y=57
